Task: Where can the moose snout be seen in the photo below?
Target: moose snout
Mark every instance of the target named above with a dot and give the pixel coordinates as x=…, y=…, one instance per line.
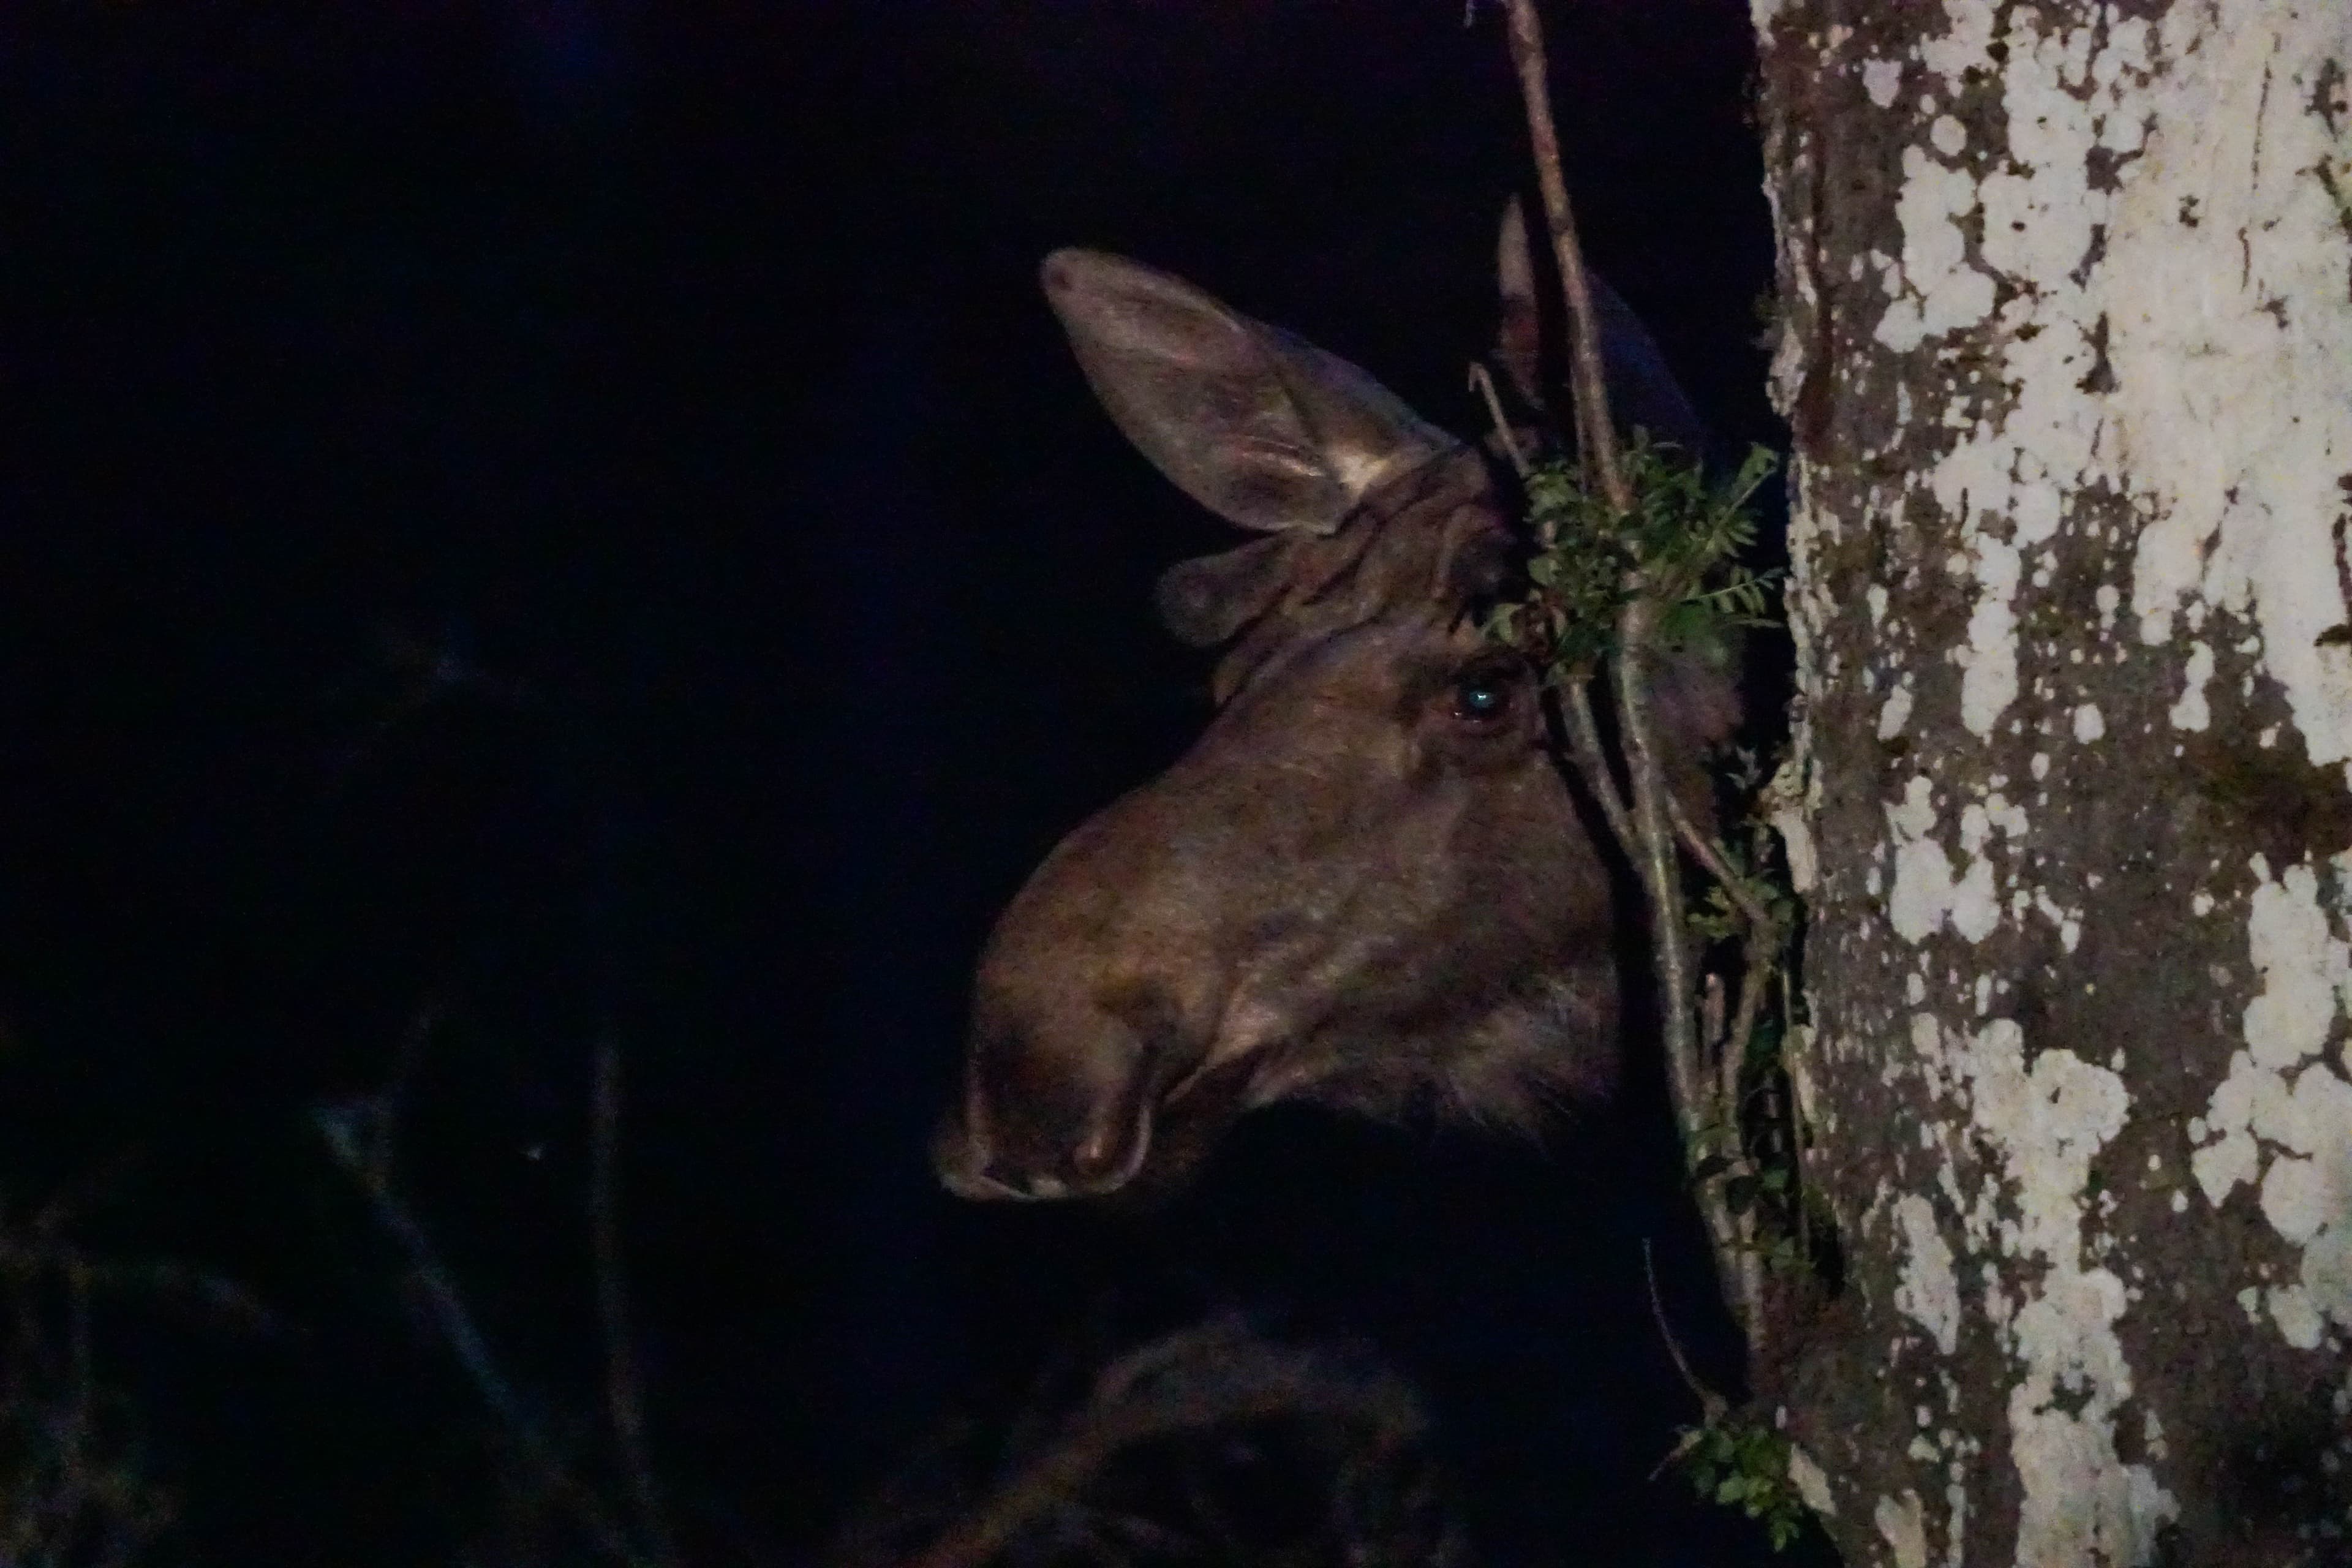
x=1096, y=1003
x=1045, y=1118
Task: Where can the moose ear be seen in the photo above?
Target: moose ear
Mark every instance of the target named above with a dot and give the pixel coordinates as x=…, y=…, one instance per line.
x=1642, y=391
x=1261, y=427
x=1519, y=337
x=1204, y=602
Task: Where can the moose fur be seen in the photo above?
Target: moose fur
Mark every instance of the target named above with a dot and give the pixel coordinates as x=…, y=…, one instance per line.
x=1368, y=884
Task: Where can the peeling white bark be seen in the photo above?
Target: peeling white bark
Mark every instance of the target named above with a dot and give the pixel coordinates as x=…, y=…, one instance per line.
x=2074, y=358
x=2282, y=1120
x=2230, y=345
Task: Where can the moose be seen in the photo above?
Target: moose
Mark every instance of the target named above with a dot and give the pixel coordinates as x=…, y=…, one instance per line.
x=1371, y=884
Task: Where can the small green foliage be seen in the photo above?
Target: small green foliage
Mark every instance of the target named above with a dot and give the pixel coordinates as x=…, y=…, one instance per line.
x=1758, y=863
x=1753, y=1170
x=1742, y=1463
x=1751, y=1148
x=1679, y=545
x=1679, y=548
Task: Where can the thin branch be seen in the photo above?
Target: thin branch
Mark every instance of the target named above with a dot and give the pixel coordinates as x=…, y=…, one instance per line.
x=1712, y=1405
x=1584, y=736
x=1743, y=1028
x=1733, y=1061
x=1596, y=436
x=464, y=1339
x=623, y=1396
x=1710, y=855
x=1483, y=382
x=1710, y=1012
x=1709, y=1401
x=1651, y=845
x=1669, y=934
x=1795, y=1118
x=26, y=1261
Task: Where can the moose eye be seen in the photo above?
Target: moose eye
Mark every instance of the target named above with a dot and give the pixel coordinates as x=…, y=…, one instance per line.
x=1483, y=694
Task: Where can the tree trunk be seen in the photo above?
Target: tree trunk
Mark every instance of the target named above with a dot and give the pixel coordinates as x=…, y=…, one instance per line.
x=2065, y=340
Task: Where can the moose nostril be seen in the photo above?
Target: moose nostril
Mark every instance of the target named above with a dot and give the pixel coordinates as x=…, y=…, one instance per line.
x=1098, y=1155
x=1058, y=1101
x=1111, y=1143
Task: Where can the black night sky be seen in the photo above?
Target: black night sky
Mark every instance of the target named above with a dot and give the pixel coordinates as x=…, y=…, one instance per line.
x=570, y=517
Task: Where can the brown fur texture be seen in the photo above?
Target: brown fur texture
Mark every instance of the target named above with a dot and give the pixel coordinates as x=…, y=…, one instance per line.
x=1367, y=884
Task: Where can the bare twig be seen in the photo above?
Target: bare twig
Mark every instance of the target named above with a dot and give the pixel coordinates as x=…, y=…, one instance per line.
x=1596, y=436
x=1584, y=736
x=1712, y=1405
x=624, y=1397
x=447, y=1307
x=1483, y=384
x=1709, y=853
x=1710, y=1012
x=24, y=1261
x=1733, y=1062
x=77, y=1492
x=1669, y=936
x=1752, y=985
x=1795, y=1122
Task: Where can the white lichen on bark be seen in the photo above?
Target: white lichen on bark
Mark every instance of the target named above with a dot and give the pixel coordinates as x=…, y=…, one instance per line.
x=2046, y=1119
x=2141, y=230
x=2231, y=339
x=2282, y=1120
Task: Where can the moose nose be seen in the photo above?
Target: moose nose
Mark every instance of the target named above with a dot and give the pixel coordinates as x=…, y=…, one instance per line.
x=970, y=1167
x=1040, y=1122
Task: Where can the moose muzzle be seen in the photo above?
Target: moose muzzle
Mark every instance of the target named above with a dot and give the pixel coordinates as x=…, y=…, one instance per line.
x=1050, y=1118
x=1096, y=1003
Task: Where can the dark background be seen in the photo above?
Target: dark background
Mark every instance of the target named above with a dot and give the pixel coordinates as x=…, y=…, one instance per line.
x=573, y=514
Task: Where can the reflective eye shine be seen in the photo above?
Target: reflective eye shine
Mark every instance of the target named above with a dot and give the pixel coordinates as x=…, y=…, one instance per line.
x=1483, y=694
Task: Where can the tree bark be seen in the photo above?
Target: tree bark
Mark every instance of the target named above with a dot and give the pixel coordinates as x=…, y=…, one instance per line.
x=2065, y=342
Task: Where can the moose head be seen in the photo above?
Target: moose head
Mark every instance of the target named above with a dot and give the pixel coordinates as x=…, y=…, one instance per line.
x=1368, y=884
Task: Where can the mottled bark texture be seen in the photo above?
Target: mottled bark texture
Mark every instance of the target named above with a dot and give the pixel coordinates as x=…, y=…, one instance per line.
x=2065, y=340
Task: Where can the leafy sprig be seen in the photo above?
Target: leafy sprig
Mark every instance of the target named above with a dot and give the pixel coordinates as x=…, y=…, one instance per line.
x=1680, y=545
x=1744, y=1464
